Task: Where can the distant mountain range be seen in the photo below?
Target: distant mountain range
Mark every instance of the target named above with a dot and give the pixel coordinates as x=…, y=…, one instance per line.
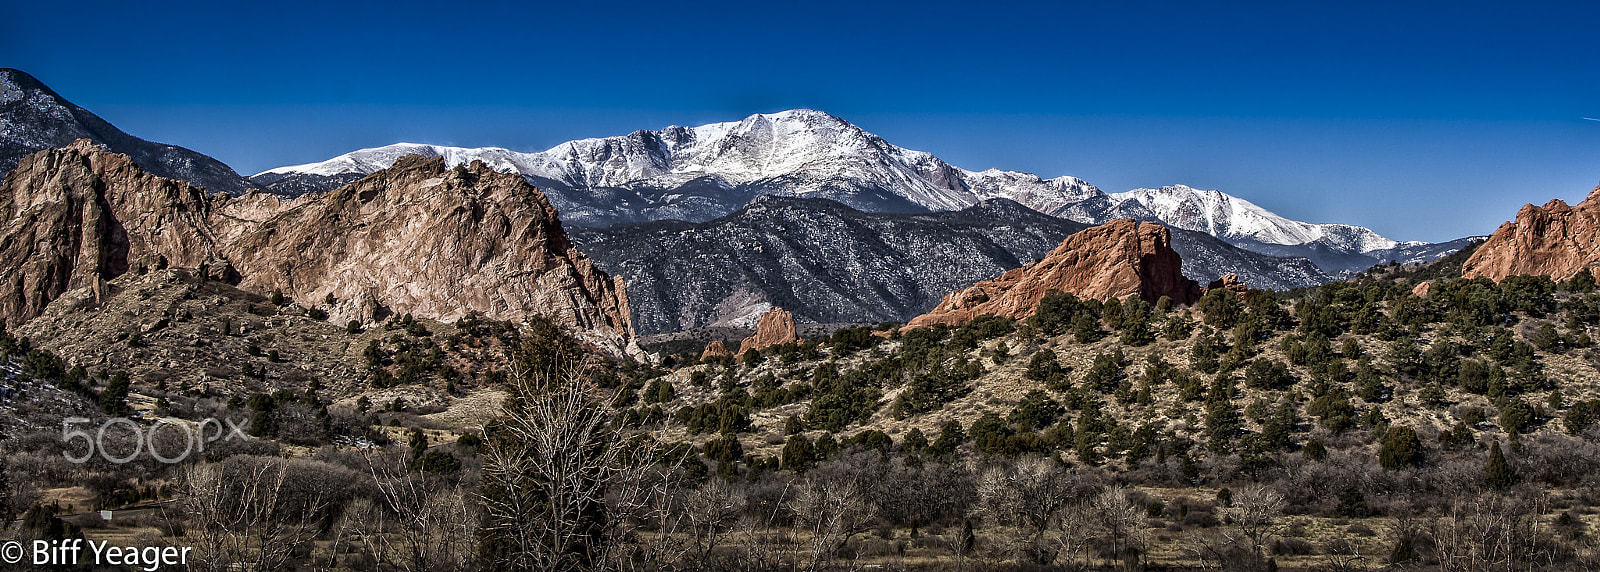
x=829, y=263
x=696, y=174
x=710, y=225
x=34, y=118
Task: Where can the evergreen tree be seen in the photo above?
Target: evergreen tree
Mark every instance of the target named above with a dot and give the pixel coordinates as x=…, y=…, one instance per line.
x=1495, y=471
x=1400, y=449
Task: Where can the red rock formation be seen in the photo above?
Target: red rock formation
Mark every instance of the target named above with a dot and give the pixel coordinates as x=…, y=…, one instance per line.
x=775, y=327
x=416, y=238
x=1118, y=259
x=1421, y=290
x=1229, y=281
x=78, y=215
x=419, y=238
x=1554, y=240
x=714, y=350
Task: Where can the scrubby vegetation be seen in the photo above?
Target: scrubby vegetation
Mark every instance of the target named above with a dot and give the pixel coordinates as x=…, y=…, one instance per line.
x=1355, y=425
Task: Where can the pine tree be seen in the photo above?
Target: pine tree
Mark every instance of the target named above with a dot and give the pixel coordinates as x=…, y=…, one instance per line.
x=1401, y=448
x=1496, y=471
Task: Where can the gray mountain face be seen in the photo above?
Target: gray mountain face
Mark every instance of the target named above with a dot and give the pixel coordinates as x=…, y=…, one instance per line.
x=829, y=263
x=33, y=118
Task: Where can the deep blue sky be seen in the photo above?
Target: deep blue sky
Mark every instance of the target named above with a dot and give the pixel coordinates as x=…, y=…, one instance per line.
x=1424, y=121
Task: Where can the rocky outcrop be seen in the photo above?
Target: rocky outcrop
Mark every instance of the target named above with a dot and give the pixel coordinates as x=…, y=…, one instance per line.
x=775, y=327
x=1115, y=260
x=78, y=215
x=1229, y=281
x=417, y=238
x=715, y=350
x=1421, y=290
x=1555, y=240
x=422, y=239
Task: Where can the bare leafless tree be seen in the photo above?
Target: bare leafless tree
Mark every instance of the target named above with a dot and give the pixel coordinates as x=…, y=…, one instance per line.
x=1030, y=494
x=1254, y=513
x=435, y=521
x=557, y=481
x=240, y=516
x=832, y=506
x=1122, y=521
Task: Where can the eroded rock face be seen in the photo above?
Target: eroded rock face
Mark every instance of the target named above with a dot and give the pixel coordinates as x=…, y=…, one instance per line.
x=775, y=327
x=1118, y=259
x=1555, y=240
x=1421, y=290
x=78, y=215
x=417, y=238
x=422, y=239
x=714, y=350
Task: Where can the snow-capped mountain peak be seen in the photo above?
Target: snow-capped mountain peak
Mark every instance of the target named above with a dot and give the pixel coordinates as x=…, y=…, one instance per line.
x=704, y=172
x=1232, y=218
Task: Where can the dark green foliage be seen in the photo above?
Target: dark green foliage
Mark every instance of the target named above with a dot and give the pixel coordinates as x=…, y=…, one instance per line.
x=1036, y=411
x=1056, y=313
x=1458, y=436
x=1334, y=411
x=1136, y=330
x=1352, y=504
x=1496, y=472
x=798, y=453
x=1315, y=450
x=1546, y=338
x=871, y=440
x=1203, y=354
x=437, y=462
x=1517, y=417
x=114, y=398
x=1045, y=367
x=727, y=414
x=1106, y=372
x=1581, y=416
x=659, y=391
x=1085, y=328
x=932, y=390
x=1268, y=374
x=1369, y=383
x=1400, y=449
x=1220, y=308
x=950, y=437
x=845, y=399
x=826, y=446
x=726, y=451
x=914, y=442
x=981, y=328
x=846, y=341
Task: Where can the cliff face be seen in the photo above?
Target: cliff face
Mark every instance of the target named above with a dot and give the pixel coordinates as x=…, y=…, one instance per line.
x=423, y=239
x=416, y=238
x=1555, y=240
x=1114, y=260
x=77, y=216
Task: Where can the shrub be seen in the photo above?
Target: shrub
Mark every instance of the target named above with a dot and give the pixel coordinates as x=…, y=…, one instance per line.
x=1400, y=449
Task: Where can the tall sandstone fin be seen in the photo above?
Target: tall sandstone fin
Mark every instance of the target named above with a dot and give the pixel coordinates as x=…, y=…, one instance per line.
x=416, y=238
x=1117, y=259
x=775, y=327
x=1555, y=240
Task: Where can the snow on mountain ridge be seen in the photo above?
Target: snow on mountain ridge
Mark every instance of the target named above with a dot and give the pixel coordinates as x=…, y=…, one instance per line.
x=703, y=172
x=1229, y=217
